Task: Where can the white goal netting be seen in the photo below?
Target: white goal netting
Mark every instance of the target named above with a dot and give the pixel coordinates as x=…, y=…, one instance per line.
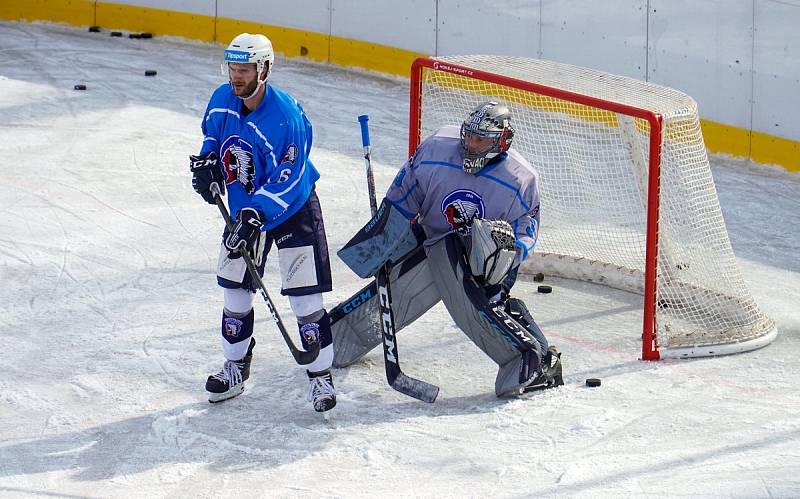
x=594, y=165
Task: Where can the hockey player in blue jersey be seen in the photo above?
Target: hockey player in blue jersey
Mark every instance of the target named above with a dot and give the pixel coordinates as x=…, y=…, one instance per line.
x=256, y=143
x=476, y=200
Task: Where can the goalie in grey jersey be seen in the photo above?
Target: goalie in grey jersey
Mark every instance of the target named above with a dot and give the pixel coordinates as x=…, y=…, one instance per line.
x=473, y=203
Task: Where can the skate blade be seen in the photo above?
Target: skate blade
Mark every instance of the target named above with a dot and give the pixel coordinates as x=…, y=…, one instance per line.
x=540, y=387
x=545, y=384
x=215, y=398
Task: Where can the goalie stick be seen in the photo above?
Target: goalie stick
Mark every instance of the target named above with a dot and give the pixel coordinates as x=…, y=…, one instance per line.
x=398, y=380
x=302, y=357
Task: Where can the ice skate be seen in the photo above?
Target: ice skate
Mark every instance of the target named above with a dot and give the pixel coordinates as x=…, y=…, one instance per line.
x=320, y=391
x=549, y=376
x=229, y=381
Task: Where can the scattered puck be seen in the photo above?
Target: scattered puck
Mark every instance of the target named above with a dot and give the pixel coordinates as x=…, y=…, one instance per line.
x=116, y=33
x=79, y=87
x=150, y=72
x=134, y=35
x=94, y=29
x=544, y=289
x=146, y=35
x=593, y=382
x=538, y=277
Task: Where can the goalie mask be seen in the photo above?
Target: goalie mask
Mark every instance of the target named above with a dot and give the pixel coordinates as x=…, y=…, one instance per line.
x=491, y=250
x=250, y=49
x=486, y=133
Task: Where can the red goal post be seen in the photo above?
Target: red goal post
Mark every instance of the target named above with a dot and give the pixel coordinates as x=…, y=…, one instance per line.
x=575, y=122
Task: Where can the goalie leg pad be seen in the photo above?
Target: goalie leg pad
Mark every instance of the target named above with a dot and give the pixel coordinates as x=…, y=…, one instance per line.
x=519, y=312
x=514, y=377
x=485, y=323
x=355, y=322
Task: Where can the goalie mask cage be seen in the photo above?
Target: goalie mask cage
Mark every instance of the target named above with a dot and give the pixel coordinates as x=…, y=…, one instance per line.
x=627, y=195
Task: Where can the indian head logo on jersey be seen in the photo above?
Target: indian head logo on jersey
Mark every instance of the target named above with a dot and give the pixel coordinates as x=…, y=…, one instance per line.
x=460, y=208
x=237, y=161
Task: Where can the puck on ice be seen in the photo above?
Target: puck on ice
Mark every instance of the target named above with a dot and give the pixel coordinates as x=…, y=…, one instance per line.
x=116, y=33
x=538, y=277
x=150, y=72
x=134, y=35
x=94, y=29
x=79, y=87
x=593, y=382
x=544, y=289
x=146, y=35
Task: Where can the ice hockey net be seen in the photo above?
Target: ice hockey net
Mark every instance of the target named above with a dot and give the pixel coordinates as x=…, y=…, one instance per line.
x=627, y=193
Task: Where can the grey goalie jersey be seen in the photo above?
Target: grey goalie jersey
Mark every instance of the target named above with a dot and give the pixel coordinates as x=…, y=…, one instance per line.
x=433, y=185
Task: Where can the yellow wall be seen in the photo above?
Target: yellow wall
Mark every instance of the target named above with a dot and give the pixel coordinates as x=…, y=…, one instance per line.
x=76, y=12
x=775, y=150
x=760, y=147
x=156, y=21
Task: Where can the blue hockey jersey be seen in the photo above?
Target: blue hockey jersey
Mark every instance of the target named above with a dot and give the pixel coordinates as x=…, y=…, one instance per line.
x=264, y=155
x=433, y=185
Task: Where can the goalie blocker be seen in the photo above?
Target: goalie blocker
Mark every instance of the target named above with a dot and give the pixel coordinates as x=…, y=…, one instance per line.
x=421, y=278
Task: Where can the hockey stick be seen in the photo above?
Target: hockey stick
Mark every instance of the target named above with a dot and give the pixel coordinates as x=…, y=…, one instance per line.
x=302, y=357
x=394, y=375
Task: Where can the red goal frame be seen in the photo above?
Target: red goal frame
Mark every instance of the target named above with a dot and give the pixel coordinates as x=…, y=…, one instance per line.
x=655, y=121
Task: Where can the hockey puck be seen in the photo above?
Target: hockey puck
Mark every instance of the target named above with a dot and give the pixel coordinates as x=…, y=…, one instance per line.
x=94, y=29
x=146, y=35
x=150, y=72
x=538, y=277
x=116, y=33
x=544, y=289
x=593, y=382
x=134, y=35
x=79, y=87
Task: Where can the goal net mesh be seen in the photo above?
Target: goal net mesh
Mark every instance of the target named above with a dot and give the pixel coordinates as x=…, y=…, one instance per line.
x=594, y=166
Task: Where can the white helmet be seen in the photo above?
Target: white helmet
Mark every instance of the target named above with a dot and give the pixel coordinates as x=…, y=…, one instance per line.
x=250, y=49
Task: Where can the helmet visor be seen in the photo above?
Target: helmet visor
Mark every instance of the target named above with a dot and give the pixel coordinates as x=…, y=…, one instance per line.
x=476, y=144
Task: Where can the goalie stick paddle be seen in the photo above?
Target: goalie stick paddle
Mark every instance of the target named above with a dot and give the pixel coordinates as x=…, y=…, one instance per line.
x=302, y=357
x=398, y=380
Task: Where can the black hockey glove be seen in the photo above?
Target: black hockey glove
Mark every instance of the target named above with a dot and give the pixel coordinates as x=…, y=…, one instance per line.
x=205, y=171
x=245, y=233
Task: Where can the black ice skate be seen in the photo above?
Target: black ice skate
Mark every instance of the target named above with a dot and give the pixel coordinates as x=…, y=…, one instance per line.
x=229, y=382
x=549, y=375
x=320, y=390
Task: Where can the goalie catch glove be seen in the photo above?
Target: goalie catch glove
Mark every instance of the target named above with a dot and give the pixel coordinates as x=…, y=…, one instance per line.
x=205, y=171
x=491, y=252
x=245, y=233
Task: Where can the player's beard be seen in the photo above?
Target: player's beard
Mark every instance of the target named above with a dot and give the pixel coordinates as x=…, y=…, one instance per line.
x=248, y=90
